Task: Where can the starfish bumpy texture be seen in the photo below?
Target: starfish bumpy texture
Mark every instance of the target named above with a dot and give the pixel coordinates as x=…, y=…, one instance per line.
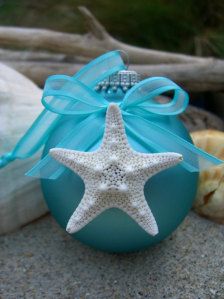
x=114, y=176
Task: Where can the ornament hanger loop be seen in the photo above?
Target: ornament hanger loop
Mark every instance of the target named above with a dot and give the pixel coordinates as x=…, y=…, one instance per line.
x=125, y=58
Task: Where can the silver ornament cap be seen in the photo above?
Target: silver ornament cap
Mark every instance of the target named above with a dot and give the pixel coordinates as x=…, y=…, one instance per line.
x=124, y=79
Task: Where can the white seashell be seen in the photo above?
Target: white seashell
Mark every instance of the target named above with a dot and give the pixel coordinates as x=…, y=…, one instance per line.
x=21, y=199
x=210, y=194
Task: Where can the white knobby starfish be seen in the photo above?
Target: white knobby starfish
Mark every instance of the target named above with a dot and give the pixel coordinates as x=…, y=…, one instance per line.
x=114, y=176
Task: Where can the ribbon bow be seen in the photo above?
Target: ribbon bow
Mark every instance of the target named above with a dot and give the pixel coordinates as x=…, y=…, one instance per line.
x=75, y=97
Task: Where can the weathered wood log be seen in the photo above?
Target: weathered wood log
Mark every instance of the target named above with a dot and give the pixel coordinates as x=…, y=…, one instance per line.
x=206, y=76
x=90, y=45
x=196, y=119
x=12, y=55
x=26, y=55
x=193, y=73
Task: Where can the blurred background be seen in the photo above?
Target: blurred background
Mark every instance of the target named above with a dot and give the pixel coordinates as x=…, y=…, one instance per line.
x=193, y=27
x=189, y=27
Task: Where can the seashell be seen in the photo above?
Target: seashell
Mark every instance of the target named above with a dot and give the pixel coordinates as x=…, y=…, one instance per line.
x=210, y=194
x=21, y=198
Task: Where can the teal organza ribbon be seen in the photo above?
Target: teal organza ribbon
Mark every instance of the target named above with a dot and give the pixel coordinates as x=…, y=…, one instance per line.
x=75, y=97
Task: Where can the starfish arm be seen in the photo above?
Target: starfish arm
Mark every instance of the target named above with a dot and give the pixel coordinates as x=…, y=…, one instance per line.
x=88, y=209
x=114, y=135
x=139, y=211
x=149, y=164
x=78, y=162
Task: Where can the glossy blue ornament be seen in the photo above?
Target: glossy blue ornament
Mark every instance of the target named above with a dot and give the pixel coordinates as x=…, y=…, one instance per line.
x=169, y=194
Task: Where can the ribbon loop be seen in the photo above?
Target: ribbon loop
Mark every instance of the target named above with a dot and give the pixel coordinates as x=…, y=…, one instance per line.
x=100, y=68
x=143, y=96
x=65, y=95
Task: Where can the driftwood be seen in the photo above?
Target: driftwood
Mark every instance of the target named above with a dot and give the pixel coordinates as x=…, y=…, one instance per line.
x=66, y=53
x=89, y=45
x=196, y=119
x=40, y=56
x=206, y=76
x=12, y=55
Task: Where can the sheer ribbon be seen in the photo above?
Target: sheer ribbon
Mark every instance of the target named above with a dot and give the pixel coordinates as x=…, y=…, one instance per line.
x=75, y=97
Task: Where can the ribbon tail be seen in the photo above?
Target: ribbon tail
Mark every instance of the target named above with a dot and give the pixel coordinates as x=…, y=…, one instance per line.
x=33, y=139
x=159, y=139
x=80, y=138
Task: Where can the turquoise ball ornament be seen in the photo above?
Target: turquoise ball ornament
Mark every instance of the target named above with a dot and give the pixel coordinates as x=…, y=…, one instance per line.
x=170, y=193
